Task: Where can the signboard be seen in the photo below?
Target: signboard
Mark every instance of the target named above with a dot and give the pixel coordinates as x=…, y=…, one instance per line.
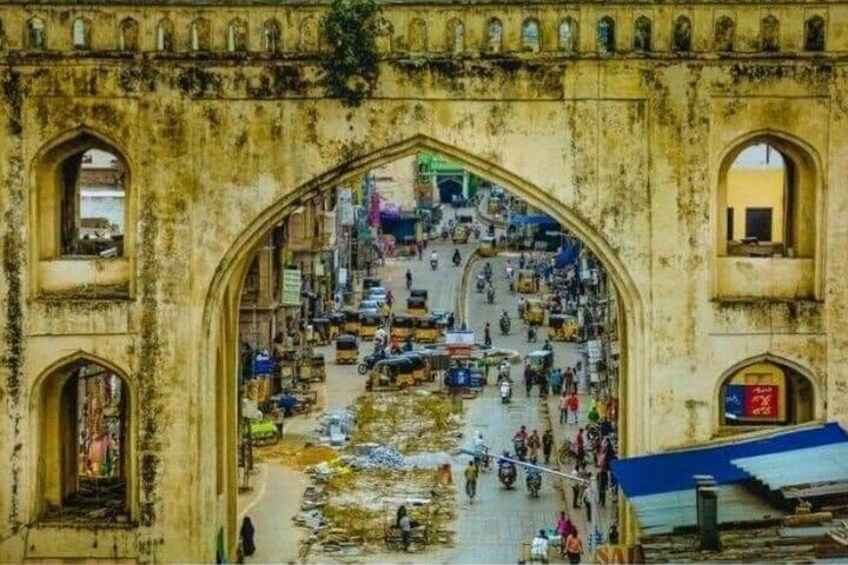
x=264, y=364
x=618, y=554
x=291, y=287
x=756, y=394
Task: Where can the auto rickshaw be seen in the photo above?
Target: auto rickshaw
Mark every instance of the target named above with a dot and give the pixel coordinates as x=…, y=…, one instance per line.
x=368, y=325
x=369, y=282
x=562, y=328
x=351, y=325
x=321, y=331
x=488, y=246
x=318, y=373
x=427, y=330
x=540, y=361
x=527, y=281
x=391, y=374
x=337, y=323
x=403, y=326
x=347, y=350
x=460, y=234
x=436, y=361
x=419, y=367
x=420, y=293
x=416, y=306
x=534, y=312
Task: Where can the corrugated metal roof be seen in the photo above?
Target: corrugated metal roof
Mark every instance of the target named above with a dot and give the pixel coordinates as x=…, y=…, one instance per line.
x=662, y=513
x=673, y=471
x=820, y=464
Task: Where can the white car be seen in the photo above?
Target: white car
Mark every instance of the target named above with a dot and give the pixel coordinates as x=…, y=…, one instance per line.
x=377, y=293
x=369, y=307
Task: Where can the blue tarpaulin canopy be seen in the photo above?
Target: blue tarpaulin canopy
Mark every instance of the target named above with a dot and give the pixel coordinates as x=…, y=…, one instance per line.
x=567, y=255
x=519, y=220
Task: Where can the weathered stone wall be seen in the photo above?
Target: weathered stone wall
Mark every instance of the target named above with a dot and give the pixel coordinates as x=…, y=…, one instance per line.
x=625, y=147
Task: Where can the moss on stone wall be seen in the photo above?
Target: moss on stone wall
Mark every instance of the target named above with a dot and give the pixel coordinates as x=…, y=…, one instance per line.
x=350, y=67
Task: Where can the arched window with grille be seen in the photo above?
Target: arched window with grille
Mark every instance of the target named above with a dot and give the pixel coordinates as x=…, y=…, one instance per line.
x=682, y=36
x=642, y=35
x=725, y=35
x=568, y=35
x=606, y=35
x=128, y=35
x=770, y=34
x=530, y=39
x=81, y=32
x=814, y=34
x=494, y=36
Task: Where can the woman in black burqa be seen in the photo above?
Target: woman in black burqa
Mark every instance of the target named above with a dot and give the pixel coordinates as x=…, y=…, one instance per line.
x=246, y=534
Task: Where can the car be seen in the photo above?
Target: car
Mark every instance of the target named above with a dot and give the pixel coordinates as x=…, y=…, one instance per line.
x=369, y=307
x=440, y=314
x=377, y=293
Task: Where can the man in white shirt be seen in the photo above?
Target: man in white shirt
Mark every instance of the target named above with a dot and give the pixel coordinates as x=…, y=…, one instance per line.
x=539, y=547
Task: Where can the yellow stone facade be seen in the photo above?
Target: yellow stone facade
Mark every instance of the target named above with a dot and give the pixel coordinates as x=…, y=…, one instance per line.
x=217, y=112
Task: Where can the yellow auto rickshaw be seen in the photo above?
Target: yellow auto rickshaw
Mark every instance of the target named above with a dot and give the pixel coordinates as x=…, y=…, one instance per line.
x=403, y=326
x=534, y=312
x=368, y=325
x=436, y=361
x=460, y=234
x=321, y=331
x=391, y=374
x=351, y=325
x=337, y=323
x=527, y=281
x=488, y=246
x=562, y=327
x=416, y=306
x=318, y=374
x=419, y=367
x=347, y=350
x=427, y=330
x=420, y=293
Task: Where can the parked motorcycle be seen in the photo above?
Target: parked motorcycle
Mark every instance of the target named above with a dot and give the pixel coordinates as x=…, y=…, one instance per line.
x=368, y=363
x=506, y=475
x=534, y=483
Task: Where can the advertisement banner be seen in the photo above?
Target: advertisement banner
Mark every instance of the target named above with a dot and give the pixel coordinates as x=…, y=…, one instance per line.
x=291, y=287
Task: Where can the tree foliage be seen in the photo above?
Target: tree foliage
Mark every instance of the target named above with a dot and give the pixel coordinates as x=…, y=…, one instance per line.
x=350, y=66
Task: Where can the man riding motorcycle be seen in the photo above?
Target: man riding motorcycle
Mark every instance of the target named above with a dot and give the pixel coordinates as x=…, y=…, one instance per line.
x=506, y=391
x=457, y=258
x=506, y=471
x=434, y=260
x=519, y=442
x=408, y=279
x=480, y=452
x=505, y=323
x=533, y=479
x=490, y=294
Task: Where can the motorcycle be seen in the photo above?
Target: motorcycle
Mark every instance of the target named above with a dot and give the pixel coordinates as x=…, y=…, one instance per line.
x=506, y=475
x=505, y=324
x=531, y=334
x=481, y=283
x=456, y=259
x=487, y=272
x=368, y=363
x=506, y=392
x=534, y=483
x=490, y=296
x=434, y=263
x=520, y=447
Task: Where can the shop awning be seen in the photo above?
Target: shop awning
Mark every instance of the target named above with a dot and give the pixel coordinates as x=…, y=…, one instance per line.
x=519, y=220
x=662, y=489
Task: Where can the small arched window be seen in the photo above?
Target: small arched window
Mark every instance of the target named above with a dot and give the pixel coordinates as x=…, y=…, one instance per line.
x=642, y=35
x=165, y=36
x=36, y=34
x=766, y=393
x=530, y=40
x=417, y=36
x=494, y=36
x=128, y=35
x=199, y=35
x=814, y=34
x=770, y=34
x=606, y=35
x=309, y=35
x=237, y=36
x=682, y=37
x=725, y=34
x=568, y=35
x=81, y=34
x=271, y=36
x=456, y=36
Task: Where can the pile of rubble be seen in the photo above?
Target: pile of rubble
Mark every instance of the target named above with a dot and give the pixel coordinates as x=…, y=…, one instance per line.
x=374, y=456
x=336, y=427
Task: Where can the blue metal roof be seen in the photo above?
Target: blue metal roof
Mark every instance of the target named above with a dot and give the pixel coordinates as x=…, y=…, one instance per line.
x=781, y=470
x=519, y=220
x=673, y=471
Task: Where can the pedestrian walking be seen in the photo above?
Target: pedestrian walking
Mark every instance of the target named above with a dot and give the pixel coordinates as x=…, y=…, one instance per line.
x=547, y=445
x=405, y=525
x=580, y=445
x=563, y=408
x=565, y=527
x=603, y=483
x=590, y=497
x=533, y=444
x=573, y=408
x=528, y=379
x=246, y=533
x=573, y=548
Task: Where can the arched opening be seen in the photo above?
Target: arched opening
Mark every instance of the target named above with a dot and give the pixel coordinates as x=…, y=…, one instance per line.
x=417, y=36
x=725, y=34
x=768, y=193
x=237, y=36
x=682, y=36
x=606, y=35
x=81, y=34
x=568, y=35
x=642, y=35
x=36, y=34
x=530, y=40
x=165, y=36
x=86, y=467
x=239, y=273
x=814, y=34
x=199, y=35
x=128, y=35
x=770, y=34
x=765, y=392
x=455, y=37
x=81, y=212
x=494, y=36
x=308, y=41
x=271, y=36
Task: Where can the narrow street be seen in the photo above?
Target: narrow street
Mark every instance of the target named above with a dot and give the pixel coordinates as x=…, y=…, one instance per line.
x=492, y=529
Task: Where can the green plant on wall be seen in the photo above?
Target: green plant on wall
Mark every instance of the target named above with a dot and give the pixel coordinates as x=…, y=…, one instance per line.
x=350, y=65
